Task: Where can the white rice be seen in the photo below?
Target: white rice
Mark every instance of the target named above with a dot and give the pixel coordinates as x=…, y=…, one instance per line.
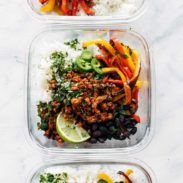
x=114, y=7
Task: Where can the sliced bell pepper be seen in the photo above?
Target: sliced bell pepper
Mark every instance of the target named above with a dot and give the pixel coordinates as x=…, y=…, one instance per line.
x=64, y=7
x=128, y=172
x=136, y=73
x=119, y=82
x=86, y=9
x=48, y=7
x=123, y=55
x=105, y=177
x=135, y=94
x=126, y=176
x=127, y=89
x=137, y=118
x=100, y=57
x=74, y=7
x=57, y=10
x=118, y=97
x=43, y=1
x=102, y=42
x=104, y=51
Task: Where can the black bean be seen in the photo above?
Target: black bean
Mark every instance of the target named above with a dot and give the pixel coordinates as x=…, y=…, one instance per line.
x=117, y=122
x=126, y=107
x=103, y=130
x=126, y=133
x=108, y=124
x=133, y=130
x=94, y=127
x=93, y=140
x=96, y=134
x=112, y=129
x=121, y=118
x=132, y=110
x=122, y=137
x=102, y=140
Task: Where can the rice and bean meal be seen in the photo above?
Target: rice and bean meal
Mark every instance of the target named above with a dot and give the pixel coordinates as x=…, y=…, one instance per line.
x=93, y=89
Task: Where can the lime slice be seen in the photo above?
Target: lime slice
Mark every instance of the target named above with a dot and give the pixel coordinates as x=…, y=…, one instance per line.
x=70, y=132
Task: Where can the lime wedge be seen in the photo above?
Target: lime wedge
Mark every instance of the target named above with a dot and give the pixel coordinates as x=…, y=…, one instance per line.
x=70, y=132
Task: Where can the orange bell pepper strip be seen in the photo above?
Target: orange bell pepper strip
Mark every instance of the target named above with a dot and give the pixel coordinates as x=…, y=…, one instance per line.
x=102, y=42
x=86, y=9
x=48, y=7
x=57, y=10
x=127, y=61
x=64, y=7
x=127, y=89
x=119, y=82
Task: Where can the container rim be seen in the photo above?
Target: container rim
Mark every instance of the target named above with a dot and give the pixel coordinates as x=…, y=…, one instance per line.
x=105, y=160
x=71, y=151
x=88, y=20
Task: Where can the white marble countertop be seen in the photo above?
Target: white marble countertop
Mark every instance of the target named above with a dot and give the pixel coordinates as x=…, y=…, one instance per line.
x=162, y=25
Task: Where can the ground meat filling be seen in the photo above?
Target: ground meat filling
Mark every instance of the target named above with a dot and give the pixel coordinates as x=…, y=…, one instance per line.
x=95, y=104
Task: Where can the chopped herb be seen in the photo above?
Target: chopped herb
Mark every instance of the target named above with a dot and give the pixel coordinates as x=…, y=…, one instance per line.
x=53, y=178
x=124, y=56
x=73, y=43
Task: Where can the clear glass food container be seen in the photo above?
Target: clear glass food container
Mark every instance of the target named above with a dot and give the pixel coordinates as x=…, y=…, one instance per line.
x=40, y=47
x=141, y=172
x=125, y=16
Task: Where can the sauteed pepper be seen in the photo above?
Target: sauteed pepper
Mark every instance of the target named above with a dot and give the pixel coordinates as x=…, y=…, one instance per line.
x=48, y=7
x=127, y=89
x=86, y=9
x=102, y=42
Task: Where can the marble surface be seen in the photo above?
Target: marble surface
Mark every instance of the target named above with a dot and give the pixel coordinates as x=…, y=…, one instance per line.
x=162, y=25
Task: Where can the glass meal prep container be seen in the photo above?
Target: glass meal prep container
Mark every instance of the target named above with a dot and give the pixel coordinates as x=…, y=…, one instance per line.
x=140, y=8
x=141, y=172
x=37, y=50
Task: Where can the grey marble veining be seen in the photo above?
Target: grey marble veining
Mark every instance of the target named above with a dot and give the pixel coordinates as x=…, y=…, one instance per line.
x=162, y=25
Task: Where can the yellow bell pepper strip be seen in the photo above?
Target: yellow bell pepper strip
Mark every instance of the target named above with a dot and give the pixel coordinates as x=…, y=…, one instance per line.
x=105, y=177
x=127, y=89
x=102, y=42
x=48, y=7
x=123, y=54
x=136, y=73
x=128, y=173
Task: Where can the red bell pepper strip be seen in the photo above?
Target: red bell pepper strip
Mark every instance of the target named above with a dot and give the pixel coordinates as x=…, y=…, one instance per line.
x=43, y=1
x=100, y=57
x=64, y=7
x=86, y=9
x=136, y=118
x=74, y=7
x=135, y=94
x=104, y=51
